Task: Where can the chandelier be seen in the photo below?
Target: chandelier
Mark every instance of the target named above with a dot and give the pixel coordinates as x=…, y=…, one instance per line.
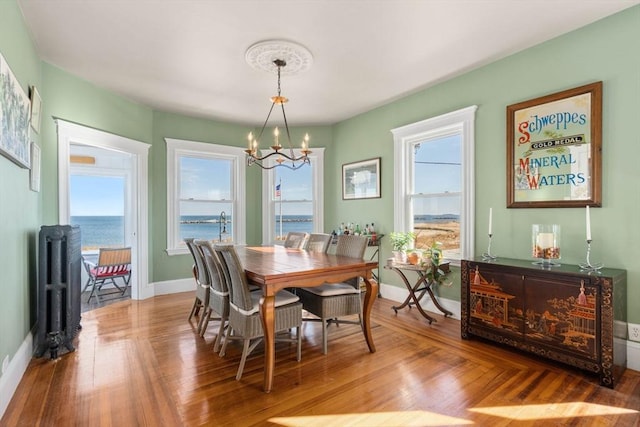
x=281, y=158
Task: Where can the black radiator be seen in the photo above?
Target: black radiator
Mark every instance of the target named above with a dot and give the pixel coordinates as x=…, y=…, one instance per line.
x=59, y=288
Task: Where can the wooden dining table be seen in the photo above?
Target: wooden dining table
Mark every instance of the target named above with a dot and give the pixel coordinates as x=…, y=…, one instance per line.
x=274, y=268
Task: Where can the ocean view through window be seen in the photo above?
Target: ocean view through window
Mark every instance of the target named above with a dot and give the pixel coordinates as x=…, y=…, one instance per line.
x=97, y=207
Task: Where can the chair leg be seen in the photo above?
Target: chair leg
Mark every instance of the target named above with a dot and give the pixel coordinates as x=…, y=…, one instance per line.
x=324, y=336
x=86, y=285
x=246, y=351
x=216, y=344
x=227, y=337
x=95, y=289
x=204, y=321
x=196, y=308
x=299, y=335
x=243, y=359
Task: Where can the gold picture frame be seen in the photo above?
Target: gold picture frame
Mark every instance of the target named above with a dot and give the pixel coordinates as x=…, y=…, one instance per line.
x=554, y=147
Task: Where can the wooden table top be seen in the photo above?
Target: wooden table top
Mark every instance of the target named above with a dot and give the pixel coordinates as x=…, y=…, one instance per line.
x=273, y=264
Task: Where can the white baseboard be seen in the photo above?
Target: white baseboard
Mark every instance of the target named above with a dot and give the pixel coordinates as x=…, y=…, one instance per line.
x=396, y=293
x=633, y=355
x=173, y=286
x=10, y=379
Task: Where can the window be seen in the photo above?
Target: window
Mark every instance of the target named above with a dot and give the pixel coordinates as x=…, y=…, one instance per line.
x=292, y=200
x=434, y=189
x=205, y=193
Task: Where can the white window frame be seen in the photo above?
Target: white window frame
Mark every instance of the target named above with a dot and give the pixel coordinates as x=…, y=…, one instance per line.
x=268, y=186
x=460, y=121
x=177, y=148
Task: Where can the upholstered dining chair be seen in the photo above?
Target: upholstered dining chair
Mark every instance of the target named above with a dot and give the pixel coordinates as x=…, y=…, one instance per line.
x=295, y=240
x=202, y=280
x=218, y=292
x=318, y=242
x=332, y=301
x=244, y=318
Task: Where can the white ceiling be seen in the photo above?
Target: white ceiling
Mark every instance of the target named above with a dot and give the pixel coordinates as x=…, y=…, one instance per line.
x=188, y=56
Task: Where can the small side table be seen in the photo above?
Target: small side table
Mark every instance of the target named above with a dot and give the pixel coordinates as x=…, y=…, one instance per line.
x=419, y=289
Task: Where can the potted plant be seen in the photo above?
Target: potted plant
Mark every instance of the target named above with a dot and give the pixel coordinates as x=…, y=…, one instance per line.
x=400, y=241
x=431, y=261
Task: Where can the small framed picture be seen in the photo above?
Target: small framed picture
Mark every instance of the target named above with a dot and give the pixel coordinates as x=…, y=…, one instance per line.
x=361, y=180
x=34, y=173
x=36, y=109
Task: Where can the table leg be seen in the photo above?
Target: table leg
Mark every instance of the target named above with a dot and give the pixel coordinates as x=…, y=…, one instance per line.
x=412, y=295
x=437, y=303
x=406, y=283
x=267, y=314
x=369, y=299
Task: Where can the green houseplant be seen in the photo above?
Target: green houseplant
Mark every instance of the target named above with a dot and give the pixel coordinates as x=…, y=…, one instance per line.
x=436, y=273
x=400, y=241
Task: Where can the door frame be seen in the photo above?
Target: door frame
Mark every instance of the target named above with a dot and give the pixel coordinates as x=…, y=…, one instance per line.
x=72, y=133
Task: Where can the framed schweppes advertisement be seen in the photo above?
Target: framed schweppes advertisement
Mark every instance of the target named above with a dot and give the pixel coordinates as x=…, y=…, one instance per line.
x=554, y=147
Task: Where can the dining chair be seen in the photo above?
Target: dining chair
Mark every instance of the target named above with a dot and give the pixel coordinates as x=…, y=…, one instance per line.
x=202, y=280
x=295, y=240
x=245, y=323
x=218, y=292
x=318, y=242
x=331, y=301
x=112, y=264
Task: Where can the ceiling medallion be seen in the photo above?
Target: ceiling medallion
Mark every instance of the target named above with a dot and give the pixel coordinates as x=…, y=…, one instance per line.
x=261, y=56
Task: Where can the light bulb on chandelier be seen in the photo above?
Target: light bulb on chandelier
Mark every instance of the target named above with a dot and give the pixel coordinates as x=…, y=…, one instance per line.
x=290, y=160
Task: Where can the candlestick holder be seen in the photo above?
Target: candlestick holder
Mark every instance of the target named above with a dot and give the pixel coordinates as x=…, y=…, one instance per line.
x=487, y=256
x=587, y=266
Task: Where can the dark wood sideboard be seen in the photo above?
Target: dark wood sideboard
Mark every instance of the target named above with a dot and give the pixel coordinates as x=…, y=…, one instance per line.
x=558, y=312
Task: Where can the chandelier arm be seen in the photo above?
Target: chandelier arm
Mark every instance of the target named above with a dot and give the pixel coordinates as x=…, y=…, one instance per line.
x=264, y=125
x=286, y=126
x=277, y=153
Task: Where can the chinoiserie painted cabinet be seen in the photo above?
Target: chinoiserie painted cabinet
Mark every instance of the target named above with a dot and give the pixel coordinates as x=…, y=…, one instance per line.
x=559, y=312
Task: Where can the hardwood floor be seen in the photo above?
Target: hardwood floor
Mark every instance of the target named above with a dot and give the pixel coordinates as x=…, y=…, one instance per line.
x=140, y=363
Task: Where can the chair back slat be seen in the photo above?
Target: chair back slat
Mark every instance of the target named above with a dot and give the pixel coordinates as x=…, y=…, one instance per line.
x=240, y=294
x=119, y=256
x=202, y=275
x=318, y=242
x=216, y=277
x=295, y=240
x=352, y=246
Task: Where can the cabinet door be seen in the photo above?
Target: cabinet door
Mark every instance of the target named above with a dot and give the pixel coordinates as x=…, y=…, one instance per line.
x=562, y=314
x=496, y=300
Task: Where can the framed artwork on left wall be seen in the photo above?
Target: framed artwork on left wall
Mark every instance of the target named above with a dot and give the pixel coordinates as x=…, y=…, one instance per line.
x=14, y=118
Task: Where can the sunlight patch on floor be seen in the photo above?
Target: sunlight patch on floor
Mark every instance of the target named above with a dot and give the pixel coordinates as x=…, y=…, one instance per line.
x=372, y=419
x=552, y=410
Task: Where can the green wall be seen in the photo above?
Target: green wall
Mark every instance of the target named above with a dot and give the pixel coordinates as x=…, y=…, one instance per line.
x=20, y=214
x=606, y=50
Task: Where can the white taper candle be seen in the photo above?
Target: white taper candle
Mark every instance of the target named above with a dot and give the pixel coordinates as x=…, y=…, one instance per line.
x=588, y=224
